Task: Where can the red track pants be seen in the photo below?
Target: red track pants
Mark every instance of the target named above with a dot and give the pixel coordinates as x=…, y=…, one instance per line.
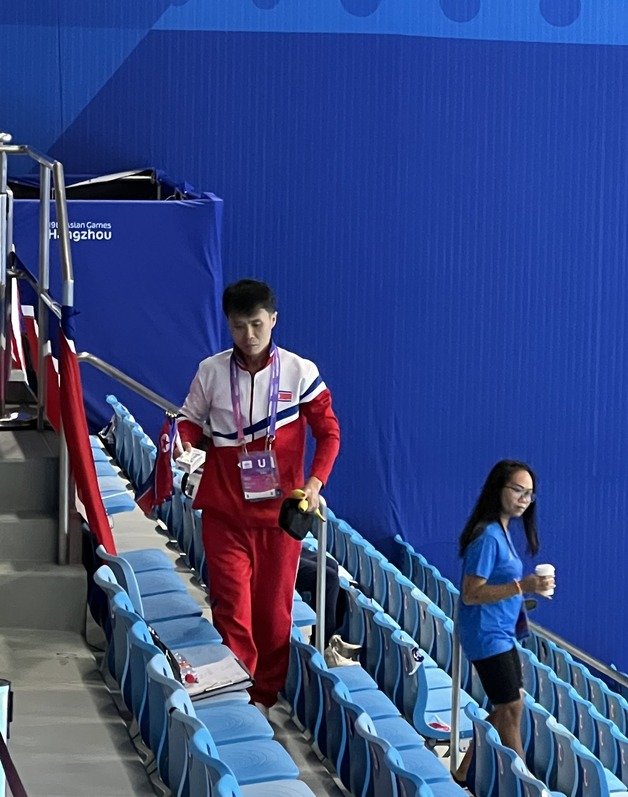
x=252, y=573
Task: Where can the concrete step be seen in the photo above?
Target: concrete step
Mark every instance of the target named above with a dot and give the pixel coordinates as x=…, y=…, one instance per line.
x=67, y=738
x=45, y=596
x=28, y=537
x=29, y=471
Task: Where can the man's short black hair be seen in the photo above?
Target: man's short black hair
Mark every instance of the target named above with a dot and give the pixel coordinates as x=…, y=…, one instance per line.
x=246, y=296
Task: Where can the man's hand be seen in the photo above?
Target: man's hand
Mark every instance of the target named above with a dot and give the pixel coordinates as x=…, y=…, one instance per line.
x=312, y=488
x=176, y=453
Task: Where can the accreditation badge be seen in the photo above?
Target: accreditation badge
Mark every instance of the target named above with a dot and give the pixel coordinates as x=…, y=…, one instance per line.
x=259, y=475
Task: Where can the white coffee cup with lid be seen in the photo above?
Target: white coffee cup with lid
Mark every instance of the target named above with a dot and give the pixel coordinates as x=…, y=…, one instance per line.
x=545, y=570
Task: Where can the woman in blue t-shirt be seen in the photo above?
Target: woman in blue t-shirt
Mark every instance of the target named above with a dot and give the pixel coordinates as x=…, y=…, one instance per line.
x=492, y=594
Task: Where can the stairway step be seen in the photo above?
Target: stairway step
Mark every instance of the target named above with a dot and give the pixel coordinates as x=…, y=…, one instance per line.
x=29, y=471
x=28, y=536
x=45, y=596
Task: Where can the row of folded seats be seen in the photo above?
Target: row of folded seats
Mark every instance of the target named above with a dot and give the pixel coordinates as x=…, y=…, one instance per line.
x=398, y=618
x=360, y=732
x=595, y=716
x=218, y=745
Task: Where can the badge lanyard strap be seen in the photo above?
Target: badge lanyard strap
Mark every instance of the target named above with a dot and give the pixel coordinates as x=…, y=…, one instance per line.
x=273, y=398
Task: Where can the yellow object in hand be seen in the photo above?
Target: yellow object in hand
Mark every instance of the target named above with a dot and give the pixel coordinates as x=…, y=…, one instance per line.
x=303, y=505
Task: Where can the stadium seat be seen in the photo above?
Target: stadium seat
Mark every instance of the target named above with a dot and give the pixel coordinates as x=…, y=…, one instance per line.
x=528, y=669
x=410, y=615
x=426, y=694
x=527, y=784
x=592, y=777
x=483, y=775
x=448, y=595
x=264, y=760
x=378, y=648
x=406, y=562
x=544, y=755
x=565, y=705
x=182, y=632
x=504, y=758
x=209, y=776
x=169, y=605
x=149, y=582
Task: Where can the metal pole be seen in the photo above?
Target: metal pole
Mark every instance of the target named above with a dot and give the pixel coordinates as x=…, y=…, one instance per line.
x=64, y=501
x=64, y=239
x=454, y=744
x=43, y=287
x=321, y=577
x=68, y=301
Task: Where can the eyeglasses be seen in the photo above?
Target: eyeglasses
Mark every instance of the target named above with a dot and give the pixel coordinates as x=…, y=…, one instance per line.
x=527, y=495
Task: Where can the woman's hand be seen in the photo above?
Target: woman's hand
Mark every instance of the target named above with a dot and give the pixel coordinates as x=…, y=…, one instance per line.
x=537, y=584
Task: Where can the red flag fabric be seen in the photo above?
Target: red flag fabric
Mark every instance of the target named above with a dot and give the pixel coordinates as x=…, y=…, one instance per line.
x=51, y=370
x=77, y=437
x=158, y=487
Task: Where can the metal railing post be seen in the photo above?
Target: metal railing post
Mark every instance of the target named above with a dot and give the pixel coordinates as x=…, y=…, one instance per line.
x=68, y=301
x=43, y=288
x=64, y=500
x=321, y=577
x=454, y=744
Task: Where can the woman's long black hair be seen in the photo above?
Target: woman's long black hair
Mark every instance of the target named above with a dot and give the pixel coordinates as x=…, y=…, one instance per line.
x=489, y=506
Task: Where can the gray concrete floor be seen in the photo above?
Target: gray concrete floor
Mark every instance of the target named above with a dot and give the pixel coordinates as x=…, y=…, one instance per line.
x=67, y=739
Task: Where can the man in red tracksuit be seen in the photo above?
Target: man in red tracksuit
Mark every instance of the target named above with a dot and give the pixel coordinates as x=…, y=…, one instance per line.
x=255, y=401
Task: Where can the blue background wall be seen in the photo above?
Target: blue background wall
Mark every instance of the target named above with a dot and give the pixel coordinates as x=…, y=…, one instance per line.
x=438, y=192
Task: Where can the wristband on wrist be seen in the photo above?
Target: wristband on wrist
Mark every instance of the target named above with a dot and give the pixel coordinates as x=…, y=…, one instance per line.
x=518, y=586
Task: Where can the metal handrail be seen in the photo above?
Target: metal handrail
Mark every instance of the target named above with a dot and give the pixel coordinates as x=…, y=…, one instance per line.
x=321, y=577
x=128, y=381
x=47, y=166
x=585, y=658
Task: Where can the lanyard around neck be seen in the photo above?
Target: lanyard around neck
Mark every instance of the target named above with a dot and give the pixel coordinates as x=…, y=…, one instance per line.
x=273, y=397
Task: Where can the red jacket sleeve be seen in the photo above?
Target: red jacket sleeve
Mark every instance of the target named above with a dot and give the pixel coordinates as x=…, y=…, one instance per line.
x=190, y=432
x=326, y=431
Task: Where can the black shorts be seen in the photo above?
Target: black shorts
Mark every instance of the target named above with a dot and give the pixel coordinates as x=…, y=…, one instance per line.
x=501, y=676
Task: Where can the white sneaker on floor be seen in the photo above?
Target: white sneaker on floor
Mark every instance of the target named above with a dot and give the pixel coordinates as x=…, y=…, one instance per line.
x=345, y=649
x=333, y=658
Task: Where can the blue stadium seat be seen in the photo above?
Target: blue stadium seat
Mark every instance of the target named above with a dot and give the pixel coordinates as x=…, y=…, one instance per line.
x=149, y=582
x=426, y=694
x=505, y=757
x=483, y=776
x=209, y=776
x=448, y=595
x=263, y=761
x=170, y=605
x=529, y=663
x=565, y=705
x=528, y=785
x=182, y=632
x=405, y=555
x=593, y=778
x=378, y=647
x=410, y=615
x=543, y=761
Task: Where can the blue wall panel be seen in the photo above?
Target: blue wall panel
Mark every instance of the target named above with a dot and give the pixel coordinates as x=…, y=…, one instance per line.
x=444, y=220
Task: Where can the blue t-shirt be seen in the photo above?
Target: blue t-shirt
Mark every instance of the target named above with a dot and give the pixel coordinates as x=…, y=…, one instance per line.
x=489, y=628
